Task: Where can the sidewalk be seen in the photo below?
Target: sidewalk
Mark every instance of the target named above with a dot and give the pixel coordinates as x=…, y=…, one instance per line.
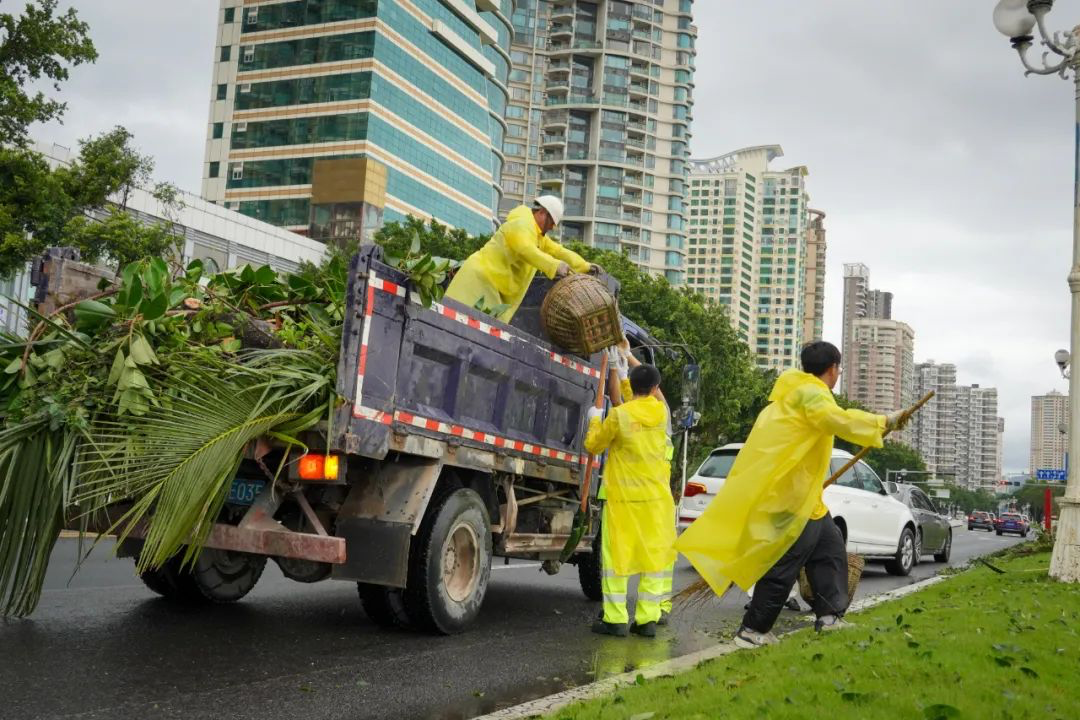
x=977, y=644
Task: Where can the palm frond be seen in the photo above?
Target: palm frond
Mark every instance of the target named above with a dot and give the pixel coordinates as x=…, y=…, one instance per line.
x=177, y=461
x=35, y=481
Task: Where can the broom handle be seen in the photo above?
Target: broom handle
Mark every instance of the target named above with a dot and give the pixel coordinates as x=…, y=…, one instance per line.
x=589, y=458
x=862, y=453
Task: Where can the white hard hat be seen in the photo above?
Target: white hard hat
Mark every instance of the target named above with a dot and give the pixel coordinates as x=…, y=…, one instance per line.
x=553, y=205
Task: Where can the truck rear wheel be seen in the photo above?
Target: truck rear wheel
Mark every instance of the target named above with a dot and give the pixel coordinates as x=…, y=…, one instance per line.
x=384, y=605
x=173, y=583
x=589, y=570
x=449, y=564
x=226, y=576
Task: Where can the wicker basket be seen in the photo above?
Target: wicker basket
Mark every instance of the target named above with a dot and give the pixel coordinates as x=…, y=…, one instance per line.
x=580, y=315
x=855, y=565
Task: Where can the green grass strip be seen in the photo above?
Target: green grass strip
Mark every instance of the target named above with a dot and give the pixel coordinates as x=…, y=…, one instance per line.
x=979, y=645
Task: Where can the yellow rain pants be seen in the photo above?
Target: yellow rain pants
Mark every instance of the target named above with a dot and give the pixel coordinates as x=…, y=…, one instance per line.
x=776, y=483
x=500, y=272
x=639, y=515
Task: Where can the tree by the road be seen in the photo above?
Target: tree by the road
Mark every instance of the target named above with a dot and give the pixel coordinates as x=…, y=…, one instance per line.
x=79, y=205
x=896, y=455
x=1035, y=496
x=39, y=44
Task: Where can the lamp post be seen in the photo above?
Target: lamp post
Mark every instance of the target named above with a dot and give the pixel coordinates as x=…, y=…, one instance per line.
x=1017, y=19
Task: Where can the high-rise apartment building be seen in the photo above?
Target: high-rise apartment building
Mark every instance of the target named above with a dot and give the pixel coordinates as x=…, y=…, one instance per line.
x=958, y=433
x=747, y=248
x=814, y=302
x=860, y=301
x=599, y=113
x=322, y=110
x=933, y=430
x=978, y=462
x=882, y=365
x=1049, y=416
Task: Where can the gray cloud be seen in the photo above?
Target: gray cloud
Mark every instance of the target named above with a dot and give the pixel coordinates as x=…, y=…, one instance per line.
x=939, y=165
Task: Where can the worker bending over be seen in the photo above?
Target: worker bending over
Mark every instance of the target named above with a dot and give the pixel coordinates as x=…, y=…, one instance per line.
x=769, y=520
x=638, y=521
x=500, y=273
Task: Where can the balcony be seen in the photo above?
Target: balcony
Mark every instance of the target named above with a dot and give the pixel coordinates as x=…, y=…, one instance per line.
x=635, y=127
x=639, y=89
x=551, y=177
x=572, y=99
x=558, y=65
x=631, y=199
x=556, y=118
x=563, y=12
x=553, y=139
x=560, y=31
x=642, y=12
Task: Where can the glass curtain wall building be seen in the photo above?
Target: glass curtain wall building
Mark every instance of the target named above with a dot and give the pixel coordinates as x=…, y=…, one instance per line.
x=600, y=110
x=419, y=86
x=747, y=248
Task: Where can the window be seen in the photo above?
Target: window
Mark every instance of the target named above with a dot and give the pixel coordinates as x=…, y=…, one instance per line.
x=249, y=53
x=219, y=130
x=230, y=15
x=222, y=91
x=215, y=167
x=226, y=53
x=238, y=171
x=252, y=16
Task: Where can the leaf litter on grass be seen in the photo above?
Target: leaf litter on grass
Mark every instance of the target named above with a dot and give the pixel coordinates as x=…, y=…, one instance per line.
x=916, y=657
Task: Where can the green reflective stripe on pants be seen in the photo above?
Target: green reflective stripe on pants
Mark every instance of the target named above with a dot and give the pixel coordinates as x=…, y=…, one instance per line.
x=612, y=586
x=667, y=586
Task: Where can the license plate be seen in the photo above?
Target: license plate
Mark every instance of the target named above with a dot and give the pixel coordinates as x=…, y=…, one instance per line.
x=244, y=491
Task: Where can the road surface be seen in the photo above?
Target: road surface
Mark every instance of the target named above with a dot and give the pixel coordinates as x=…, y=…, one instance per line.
x=103, y=646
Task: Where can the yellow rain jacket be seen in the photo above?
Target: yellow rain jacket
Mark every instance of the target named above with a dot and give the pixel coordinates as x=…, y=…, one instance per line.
x=501, y=271
x=640, y=514
x=776, y=483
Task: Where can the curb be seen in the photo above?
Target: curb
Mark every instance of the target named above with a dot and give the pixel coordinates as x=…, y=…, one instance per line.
x=551, y=703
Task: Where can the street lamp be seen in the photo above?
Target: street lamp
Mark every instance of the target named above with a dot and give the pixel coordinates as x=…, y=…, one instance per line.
x=1063, y=358
x=1016, y=19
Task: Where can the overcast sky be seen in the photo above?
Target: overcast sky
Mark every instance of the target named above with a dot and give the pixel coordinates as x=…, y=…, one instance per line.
x=938, y=164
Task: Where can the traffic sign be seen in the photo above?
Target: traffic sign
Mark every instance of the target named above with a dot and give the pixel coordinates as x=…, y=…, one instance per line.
x=1051, y=474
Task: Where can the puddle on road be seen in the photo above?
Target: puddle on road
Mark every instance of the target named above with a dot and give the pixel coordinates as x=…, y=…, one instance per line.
x=602, y=657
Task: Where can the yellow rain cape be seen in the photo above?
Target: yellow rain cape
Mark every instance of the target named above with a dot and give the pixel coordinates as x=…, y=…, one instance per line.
x=775, y=485
x=640, y=514
x=500, y=272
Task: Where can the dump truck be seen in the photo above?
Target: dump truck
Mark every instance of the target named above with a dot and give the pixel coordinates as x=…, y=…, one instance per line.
x=460, y=440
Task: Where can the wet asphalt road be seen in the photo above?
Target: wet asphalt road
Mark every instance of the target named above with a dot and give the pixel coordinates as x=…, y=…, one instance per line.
x=103, y=646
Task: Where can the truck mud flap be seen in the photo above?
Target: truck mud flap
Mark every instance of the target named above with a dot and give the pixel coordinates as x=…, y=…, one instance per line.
x=380, y=516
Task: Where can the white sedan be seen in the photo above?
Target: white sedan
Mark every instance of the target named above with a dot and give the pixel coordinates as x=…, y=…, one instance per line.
x=874, y=524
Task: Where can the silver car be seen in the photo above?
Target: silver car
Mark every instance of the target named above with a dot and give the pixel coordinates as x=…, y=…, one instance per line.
x=934, y=536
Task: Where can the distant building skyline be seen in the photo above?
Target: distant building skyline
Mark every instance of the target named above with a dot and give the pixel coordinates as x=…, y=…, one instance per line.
x=748, y=229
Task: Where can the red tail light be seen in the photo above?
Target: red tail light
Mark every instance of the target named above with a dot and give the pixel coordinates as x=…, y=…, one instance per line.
x=693, y=488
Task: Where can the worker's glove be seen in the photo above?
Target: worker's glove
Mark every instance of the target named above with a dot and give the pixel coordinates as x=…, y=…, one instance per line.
x=562, y=271
x=595, y=412
x=896, y=420
x=618, y=362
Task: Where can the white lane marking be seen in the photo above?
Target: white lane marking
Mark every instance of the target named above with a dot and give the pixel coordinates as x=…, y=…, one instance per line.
x=516, y=566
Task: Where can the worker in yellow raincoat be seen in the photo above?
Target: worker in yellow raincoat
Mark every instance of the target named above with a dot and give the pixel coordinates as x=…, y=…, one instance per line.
x=620, y=360
x=500, y=273
x=638, y=520
x=769, y=521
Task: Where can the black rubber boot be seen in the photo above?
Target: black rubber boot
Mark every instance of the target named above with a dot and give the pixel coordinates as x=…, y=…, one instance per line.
x=646, y=630
x=663, y=621
x=605, y=628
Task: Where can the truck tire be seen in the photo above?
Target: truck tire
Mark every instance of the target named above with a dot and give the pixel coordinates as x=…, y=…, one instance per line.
x=172, y=583
x=226, y=576
x=905, y=555
x=589, y=571
x=449, y=564
x=385, y=606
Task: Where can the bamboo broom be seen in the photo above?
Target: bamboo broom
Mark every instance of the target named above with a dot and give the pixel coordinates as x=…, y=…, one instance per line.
x=700, y=591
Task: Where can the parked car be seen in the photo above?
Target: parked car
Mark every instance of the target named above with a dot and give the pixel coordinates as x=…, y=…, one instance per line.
x=934, y=534
x=981, y=520
x=1011, y=523
x=705, y=483
x=874, y=524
